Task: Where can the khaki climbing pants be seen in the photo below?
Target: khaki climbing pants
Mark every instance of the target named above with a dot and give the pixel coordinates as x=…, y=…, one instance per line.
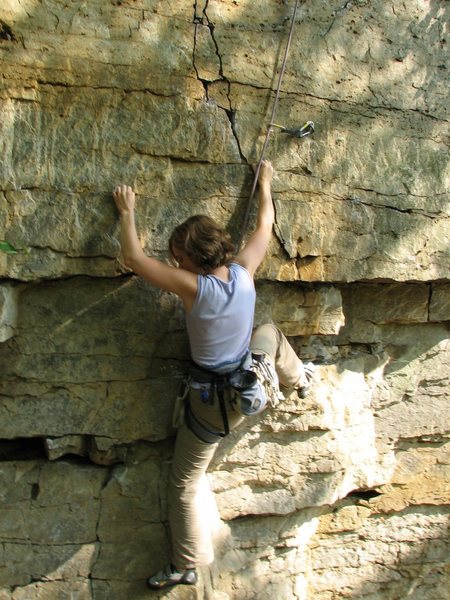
x=190, y=533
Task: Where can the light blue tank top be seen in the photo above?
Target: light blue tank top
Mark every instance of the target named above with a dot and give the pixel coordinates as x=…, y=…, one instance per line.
x=220, y=322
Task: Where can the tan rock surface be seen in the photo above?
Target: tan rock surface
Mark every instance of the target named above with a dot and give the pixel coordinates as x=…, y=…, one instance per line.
x=342, y=495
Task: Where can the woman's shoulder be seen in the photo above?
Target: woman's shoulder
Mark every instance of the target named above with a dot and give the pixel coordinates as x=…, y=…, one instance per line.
x=235, y=264
x=240, y=272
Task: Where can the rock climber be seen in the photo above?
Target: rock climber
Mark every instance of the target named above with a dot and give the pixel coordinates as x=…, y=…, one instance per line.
x=235, y=371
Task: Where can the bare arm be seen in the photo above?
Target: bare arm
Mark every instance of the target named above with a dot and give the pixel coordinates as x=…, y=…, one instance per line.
x=179, y=281
x=252, y=255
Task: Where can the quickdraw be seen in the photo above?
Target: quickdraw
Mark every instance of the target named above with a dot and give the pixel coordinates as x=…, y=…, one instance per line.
x=300, y=132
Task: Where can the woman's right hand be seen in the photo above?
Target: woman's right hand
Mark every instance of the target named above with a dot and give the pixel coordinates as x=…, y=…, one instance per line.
x=124, y=198
x=265, y=173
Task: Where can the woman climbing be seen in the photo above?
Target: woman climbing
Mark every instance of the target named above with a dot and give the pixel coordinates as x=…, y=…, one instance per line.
x=235, y=370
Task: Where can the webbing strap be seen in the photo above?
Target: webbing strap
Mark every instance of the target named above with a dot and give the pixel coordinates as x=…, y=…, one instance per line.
x=198, y=429
x=223, y=409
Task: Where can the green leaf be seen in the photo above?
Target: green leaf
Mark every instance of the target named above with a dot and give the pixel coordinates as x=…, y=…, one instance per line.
x=7, y=248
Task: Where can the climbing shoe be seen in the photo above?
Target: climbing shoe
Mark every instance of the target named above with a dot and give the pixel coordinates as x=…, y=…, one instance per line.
x=171, y=576
x=303, y=390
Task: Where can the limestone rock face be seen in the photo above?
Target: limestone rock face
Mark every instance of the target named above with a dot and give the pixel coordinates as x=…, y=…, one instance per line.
x=344, y=494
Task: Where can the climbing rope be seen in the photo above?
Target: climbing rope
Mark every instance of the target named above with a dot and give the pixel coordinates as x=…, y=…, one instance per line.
x=305, y=130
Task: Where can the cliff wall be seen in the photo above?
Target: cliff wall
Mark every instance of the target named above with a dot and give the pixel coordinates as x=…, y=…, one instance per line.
x=343, y=495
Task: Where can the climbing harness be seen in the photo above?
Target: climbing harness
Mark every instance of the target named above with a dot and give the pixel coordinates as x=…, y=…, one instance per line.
x=210, y=385
x=248, y=389
x=303, y=131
